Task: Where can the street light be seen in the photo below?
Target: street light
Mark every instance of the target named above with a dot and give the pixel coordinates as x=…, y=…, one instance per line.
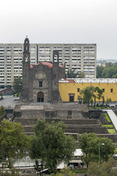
x=99, y=152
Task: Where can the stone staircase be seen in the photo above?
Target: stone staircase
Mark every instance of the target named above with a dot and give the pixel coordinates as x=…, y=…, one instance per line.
x=81, y=121
x=72, y=125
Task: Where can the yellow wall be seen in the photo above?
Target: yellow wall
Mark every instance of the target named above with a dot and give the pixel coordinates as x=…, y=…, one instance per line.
x=69, y=88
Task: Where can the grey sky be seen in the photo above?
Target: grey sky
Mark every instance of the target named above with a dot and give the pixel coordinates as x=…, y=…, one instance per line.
x=61, y=21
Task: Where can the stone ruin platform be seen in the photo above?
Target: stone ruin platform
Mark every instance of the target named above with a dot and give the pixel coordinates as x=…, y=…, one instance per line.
x=75, y=116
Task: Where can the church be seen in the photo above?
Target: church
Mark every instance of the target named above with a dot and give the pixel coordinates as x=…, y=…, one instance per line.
x=41, y=81
x=40, y=97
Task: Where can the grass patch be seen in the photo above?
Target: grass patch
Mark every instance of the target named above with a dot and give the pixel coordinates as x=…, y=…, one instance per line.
x=111, y=131
x=98, y=107
x=109, y=126
x=107, y=117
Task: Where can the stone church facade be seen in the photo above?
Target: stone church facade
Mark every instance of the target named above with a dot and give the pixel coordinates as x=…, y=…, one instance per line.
x=40, y=82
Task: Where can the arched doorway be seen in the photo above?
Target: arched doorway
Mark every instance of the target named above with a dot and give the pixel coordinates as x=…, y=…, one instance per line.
x=40, y=97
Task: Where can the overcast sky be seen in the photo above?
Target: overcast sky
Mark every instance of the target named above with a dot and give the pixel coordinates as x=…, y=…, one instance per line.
x=61, y=21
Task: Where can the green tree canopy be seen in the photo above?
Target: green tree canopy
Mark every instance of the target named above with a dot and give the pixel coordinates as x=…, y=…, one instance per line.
x=17, y=84
x=71, y=74
x=99, y=93
x=109, y=71
x=65, y=172
x=81, y=75
x=13, y=141
x=2, y=112
x=51, y=145
x=99, y=70
x=105, y=169
x=91, y=145
x=87, y=93
x=90, y=93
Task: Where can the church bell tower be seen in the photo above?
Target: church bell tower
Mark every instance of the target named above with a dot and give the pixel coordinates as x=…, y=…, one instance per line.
x=25, y=71
x=55, y=78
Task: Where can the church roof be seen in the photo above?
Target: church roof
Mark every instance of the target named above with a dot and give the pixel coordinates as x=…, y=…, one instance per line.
x=50, y=65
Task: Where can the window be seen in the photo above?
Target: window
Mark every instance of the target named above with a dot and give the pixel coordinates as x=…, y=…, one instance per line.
x=111, y=90
x=78, y=89
x=69, y=115
x=40, y=84
x=103, y=90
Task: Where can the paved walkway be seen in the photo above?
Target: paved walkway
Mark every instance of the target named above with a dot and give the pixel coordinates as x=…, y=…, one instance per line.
x=113, y=117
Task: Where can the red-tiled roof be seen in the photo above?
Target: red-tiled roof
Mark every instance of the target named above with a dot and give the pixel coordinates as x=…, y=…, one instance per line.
x=47, y=64
x=50, y=65
x=67, y=80
x=31, y=66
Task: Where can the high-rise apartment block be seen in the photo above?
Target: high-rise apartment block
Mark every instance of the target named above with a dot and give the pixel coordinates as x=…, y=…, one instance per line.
x=11, y=62
x=79, y=57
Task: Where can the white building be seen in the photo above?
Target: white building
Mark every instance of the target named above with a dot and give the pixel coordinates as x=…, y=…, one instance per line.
x=79, y=57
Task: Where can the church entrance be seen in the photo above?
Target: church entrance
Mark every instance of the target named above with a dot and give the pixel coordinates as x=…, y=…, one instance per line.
x=40, y=97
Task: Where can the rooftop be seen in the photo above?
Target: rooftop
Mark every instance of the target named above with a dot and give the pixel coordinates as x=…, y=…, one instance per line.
x=88, y=80
x=50, y=65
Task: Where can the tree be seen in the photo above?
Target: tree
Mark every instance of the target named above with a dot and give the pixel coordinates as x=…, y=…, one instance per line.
x=92, y=147
x=71, y=74
x=12, y=172
x=108, y=100
x=81, y=75
x=51, y=145
x=109, y=71
x=1, y=95
x=65, y=172
x=105, y=169
x=13, y=141
x=2, y=112
x=87, y=93
x=79, y=99
x=99, y=93
x=99, y=71
x=103, y=100
x=17, y=85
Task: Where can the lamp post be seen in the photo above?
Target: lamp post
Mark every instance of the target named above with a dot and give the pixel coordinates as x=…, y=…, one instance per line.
x=99, y=152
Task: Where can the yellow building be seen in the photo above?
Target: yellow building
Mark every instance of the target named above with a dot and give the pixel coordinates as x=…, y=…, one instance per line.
x=70, y=88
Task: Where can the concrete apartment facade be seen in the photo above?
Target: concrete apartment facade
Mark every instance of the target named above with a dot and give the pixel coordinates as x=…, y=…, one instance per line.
x=79, y=57
x=11, y=62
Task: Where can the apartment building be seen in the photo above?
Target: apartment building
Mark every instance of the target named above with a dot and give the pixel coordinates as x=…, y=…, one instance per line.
x=11, y=62
x=79, y=57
